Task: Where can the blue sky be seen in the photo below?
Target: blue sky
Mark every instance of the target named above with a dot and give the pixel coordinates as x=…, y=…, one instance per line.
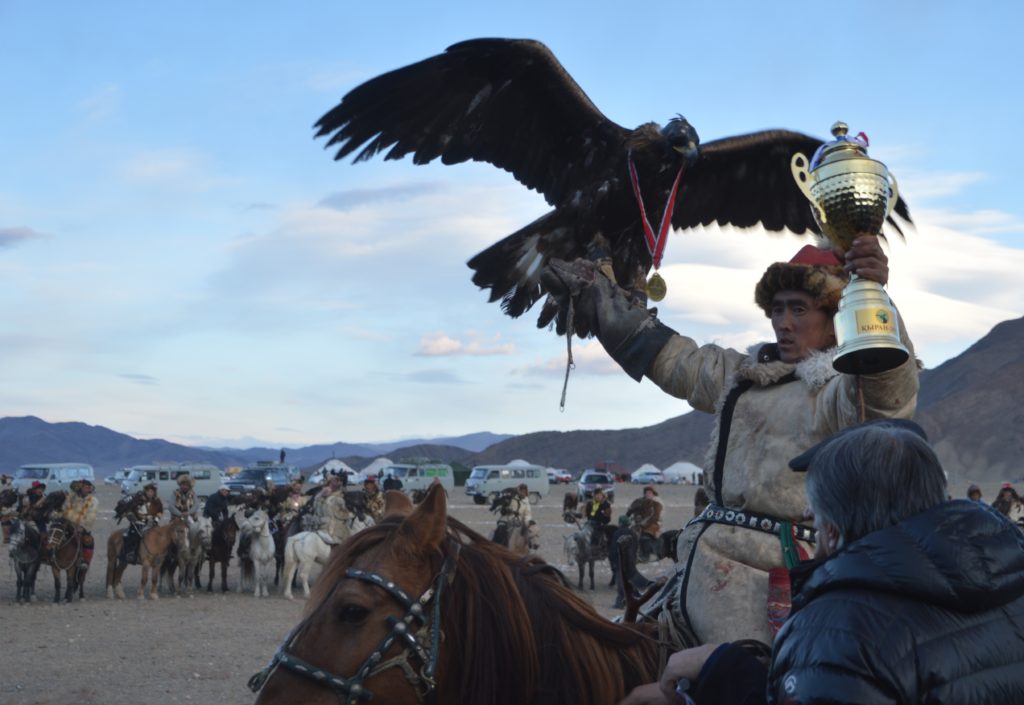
x=180, y=259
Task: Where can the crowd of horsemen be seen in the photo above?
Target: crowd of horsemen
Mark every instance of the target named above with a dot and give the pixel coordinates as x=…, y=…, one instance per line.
x=329, y=509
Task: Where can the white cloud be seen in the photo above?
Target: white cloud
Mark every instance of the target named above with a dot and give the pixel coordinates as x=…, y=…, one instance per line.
x=929, y=185
x=442, y=345
x=983, y=222
x=587, y=355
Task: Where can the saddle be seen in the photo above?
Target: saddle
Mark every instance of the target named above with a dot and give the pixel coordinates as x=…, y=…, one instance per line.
x=327, y=538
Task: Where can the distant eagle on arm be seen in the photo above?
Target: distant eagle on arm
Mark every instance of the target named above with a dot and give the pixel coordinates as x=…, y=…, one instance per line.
x=509, y=102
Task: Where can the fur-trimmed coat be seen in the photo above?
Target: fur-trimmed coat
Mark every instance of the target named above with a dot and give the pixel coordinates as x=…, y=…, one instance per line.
x=772, y=423
x=184, y=502
x=81, y=511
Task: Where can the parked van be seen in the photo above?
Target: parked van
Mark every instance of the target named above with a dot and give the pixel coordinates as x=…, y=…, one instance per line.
x=56, y=476
x=488, y=480
x=206, y=479
x=419, y=476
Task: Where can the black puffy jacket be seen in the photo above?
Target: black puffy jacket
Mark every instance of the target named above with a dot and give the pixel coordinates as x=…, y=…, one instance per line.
x=928, y=611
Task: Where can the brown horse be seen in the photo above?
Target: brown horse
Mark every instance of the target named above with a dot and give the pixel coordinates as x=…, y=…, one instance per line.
x=222, y=543
x=454, y=615
x=63, y=551
x=153, y=547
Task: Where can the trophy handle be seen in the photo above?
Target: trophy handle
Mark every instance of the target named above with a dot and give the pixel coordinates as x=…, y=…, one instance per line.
x=798, y=164
x=894, y=193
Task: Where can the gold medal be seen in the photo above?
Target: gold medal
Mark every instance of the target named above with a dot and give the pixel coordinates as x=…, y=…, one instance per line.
x=656, y=287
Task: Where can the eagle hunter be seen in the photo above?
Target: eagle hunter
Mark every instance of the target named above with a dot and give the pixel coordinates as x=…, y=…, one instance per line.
x=510, y=102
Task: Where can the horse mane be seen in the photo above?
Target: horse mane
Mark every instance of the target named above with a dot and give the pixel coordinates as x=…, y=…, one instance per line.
x=515, y=632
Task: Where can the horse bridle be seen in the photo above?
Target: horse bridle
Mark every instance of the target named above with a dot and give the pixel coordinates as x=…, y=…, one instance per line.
x=423, y=643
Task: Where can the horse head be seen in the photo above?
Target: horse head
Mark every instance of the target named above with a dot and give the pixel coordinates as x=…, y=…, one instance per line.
x=258, y=522
x=383, y=577
x=205, y=528
x=373, y=626
x=179, y=529
x=25, y=541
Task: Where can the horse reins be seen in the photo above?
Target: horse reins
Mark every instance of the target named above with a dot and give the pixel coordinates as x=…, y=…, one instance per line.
x=58, y=539
x=423, y=643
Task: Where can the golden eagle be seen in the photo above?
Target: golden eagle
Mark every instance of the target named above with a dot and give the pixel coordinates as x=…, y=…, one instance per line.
x=509, y=102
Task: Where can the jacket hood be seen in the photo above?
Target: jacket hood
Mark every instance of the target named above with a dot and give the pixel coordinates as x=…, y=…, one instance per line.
x=959, y=555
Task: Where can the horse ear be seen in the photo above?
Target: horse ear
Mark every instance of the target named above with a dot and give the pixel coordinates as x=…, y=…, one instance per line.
x=396, y=502
x=425, y=528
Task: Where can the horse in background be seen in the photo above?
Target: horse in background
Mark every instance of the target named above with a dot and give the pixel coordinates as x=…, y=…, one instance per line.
x=26, y=549
x=187, y=562
x=261, y=554
x=509, y=530
x=581, y=549
x=301, y=553
x=153, y=548
x=514, y=631
x=63, y=551
x=222, y=541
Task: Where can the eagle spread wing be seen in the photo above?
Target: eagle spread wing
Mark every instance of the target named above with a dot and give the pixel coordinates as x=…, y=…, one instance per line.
x=510, y=103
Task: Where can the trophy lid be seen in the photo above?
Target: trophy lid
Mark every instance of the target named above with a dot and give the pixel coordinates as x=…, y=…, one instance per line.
x=842, y=147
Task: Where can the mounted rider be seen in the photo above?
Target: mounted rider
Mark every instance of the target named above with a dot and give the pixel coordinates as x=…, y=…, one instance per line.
x=79, y=511
x=645, y=514
x=374, y=498
x=184, y=504
x=30, y=506
x=8, y=510
x=143, y=512
x=598, y=513
x=292, y=505
x=217, y=505
x=771, y=403
x=330, y=511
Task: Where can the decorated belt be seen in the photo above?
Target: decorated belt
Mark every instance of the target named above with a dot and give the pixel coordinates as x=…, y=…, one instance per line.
x=716, y=514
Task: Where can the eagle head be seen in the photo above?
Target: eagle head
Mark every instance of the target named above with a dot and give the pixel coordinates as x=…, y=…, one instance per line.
x=681, y=137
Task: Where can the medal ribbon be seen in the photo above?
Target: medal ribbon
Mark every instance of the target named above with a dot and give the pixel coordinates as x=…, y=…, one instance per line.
x=655, y=244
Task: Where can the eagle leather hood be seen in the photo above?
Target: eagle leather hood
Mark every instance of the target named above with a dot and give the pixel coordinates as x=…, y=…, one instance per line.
x=928, y=558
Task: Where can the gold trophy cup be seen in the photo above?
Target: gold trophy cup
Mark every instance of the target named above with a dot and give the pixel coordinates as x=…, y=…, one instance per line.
x=852, y=194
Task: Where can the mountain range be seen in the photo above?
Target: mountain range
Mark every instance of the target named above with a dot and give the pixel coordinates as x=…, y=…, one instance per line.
x=970, y=406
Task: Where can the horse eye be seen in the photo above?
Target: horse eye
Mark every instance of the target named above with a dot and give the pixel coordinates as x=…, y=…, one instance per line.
x=352, y=614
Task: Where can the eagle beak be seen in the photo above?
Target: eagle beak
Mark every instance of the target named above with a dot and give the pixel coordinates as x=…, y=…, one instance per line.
x=690, y=152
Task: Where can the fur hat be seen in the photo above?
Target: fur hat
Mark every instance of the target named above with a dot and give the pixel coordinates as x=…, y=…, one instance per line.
x=151, y=485
x=812, y=270
x=185, y=480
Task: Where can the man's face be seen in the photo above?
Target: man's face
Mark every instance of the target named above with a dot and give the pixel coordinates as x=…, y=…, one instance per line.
x=800, y=327
x=827, y=539
x=84, y=490
x=150, y=492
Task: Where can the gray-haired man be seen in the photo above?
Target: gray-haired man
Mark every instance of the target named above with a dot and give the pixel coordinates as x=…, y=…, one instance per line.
x=911, y=598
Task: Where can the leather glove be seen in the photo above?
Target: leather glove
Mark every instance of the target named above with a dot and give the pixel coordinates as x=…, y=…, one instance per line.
x=629, y=333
